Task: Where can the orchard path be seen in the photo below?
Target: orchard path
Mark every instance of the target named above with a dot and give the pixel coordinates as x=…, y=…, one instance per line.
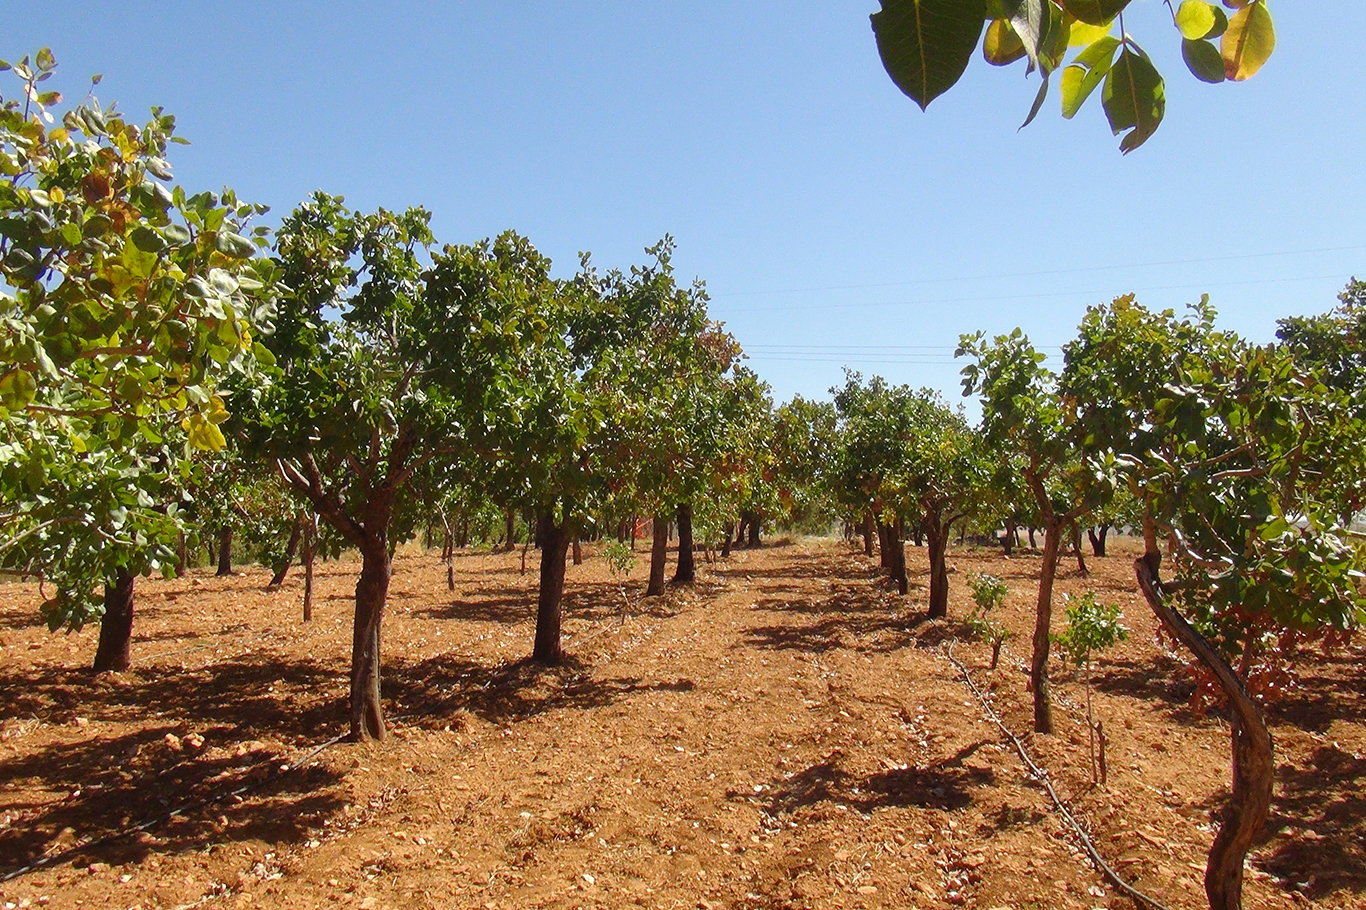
x=786, y=734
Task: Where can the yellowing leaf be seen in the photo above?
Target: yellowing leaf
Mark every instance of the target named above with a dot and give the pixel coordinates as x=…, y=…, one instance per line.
x=1083, y=35
x=1001, y=45
x=1194, y=19
x=1248, y=43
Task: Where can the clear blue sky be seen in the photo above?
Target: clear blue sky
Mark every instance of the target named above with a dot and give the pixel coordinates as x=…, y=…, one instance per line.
x=833, y=222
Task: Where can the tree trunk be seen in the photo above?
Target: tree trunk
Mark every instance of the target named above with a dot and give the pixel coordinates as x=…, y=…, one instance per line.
x=937, y=537
x=554, y=548
x=372, y=591
x=1008, y=542
x=296, y=530
x=1098, y=540
x=116, y=627
x=659, y=554
x=755, y=522
x=1032, y=544
x=1076, y=545
x=224, y=551
x=686, y=572
x=633, y=534
x=884, y=546
x=182, y=557
x=869, y=530
x=307, y=555
x=1253, y=752
x=918, y=534
x=1043, y=621
x=725, y=544
x=894, y=536
x=577, y=552
x=509, y=531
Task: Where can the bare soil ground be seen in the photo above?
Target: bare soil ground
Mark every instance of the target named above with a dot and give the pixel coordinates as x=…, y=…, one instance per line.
x=788, y=733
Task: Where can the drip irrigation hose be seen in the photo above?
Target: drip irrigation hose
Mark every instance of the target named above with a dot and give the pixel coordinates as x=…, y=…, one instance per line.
x=1039, y=774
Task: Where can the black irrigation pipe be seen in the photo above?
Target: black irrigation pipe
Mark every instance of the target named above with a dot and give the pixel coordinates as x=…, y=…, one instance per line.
x=1039, y=774
x=182, y=809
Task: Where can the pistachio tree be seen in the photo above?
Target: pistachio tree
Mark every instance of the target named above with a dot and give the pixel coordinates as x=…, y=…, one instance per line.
x=926, y=45
x=1026, y=423
x=1247, y=461
x=124, y=303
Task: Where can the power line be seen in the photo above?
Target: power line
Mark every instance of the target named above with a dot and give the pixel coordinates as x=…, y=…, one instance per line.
x=1053, y=294
x=1084, y=269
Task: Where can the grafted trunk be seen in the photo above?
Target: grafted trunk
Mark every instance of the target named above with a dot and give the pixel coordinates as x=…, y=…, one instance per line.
x=659, y=554
x=554, y=548
x=296, y=531
x=224, y=551
x=1043, y=620
x=898, y=567
x=869, y=531
x=686, y=572
x=937, y=537
x=1097, y=537
x=372, y=591
x=1253, y=752
x=116, y=627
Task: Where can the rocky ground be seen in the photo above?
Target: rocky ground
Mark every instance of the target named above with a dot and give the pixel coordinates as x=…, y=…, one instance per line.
x=787, y=733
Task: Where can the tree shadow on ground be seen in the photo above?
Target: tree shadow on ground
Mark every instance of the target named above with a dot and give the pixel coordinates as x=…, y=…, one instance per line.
x=1159, y=679
x=104, y=785
x=946, y=786
x=1331, y=687
x=434, y=691
x=1317, y=828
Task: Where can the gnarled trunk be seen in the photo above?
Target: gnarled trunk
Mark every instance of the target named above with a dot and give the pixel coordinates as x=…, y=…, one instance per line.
x=296, y=531
x=1097, y=537
x=895, y=533
x=937, y=537
x=224, y=551
x=372, y=591
x=554, y=548
x=1253, y=752
x=116, y=627
x=1043, y=620
x=659, y=554
x=686, y=573
x=1076, y=547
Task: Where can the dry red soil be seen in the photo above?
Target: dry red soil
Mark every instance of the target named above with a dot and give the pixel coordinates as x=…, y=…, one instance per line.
x=787, y=733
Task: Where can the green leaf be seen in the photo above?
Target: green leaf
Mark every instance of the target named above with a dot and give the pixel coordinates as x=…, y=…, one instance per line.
x=1083, y=74
x=1038, y=102
x=234, y=245
x=176, y=234
x=17, y=389
x=1248, y=42
x=925, y=45
x=1094, y=12
x=1000, y=45
x=1134, y=98
x=1203, y=60
x=1043, y=30
x=147, y=240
